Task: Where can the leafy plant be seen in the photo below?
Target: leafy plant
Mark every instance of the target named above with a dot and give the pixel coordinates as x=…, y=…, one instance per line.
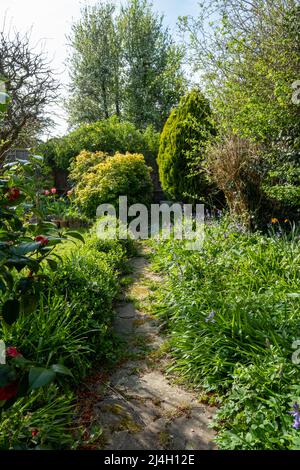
x=235, y=166
x=182, y=148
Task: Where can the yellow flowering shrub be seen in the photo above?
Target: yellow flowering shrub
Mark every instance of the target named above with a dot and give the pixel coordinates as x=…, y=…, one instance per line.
x=102, y=179
x=84, y=163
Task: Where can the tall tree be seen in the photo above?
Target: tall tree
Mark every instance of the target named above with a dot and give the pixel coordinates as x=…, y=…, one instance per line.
x=29, y=82
x=249, y=60
x=248, y=57
x=154, y=79
x=125, y=64
x=95, y=65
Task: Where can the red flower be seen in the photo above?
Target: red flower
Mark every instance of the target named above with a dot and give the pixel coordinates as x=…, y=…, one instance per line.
x=9, y=391
x=12, y=352
x=13, y=194
x=34, y=432
x=53, y=190
x=42, y=240
x=46, y=192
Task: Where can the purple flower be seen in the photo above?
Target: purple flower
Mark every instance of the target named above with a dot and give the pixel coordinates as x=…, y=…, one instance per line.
x=296, y=415
x=210, y=318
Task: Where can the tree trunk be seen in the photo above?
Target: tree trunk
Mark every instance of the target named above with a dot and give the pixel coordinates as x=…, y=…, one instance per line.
x=105, y=105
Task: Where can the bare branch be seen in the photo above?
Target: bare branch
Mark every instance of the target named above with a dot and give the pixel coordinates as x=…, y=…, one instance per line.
x=31, y=85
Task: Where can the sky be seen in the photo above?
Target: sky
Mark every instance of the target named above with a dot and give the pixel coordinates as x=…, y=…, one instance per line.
x=50, y=23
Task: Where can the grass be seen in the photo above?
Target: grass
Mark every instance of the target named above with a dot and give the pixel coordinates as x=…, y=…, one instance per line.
x=233, y=313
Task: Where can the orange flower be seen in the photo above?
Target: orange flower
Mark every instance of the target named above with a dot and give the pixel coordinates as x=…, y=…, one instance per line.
x=274, y=220
x=286, y=221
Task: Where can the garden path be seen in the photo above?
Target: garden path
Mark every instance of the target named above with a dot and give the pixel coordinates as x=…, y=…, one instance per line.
x=140, y=407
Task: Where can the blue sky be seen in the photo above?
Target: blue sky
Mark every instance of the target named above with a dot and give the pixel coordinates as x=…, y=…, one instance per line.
x=51, y=20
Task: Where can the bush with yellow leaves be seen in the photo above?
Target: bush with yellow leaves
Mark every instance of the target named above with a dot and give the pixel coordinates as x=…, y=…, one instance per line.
x=101, y=179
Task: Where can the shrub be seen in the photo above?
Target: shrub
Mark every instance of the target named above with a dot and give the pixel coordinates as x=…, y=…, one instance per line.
x=257, y=183
x=114, y=250
x=282, y=181
x=74, y=314
x=181, y=151
x=250, y=76
x=108, y=136
x=104, y=182
x=87, y=280
x=234, y=165
x=84, y=163
x=47, y=311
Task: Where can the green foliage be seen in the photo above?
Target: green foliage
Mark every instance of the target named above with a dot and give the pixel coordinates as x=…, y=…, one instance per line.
x=108, y=136
x=88, y=281
x=115, y=251
x=249, y=63
x=57, y=331
x=182, y=147
x=62, y=210
x=257, y=409
x=27, y=242
x=282, y=181
x=71, y=328
x=153, y=78
x=96, y=60
x=74, y=314
x=56, y=312
x=233, y=312
x=121, y=175
x=41, y=421
x=249, y=60
x=124, y=64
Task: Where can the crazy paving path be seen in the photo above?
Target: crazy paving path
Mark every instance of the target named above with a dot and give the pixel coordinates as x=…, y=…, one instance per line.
x=139, y=406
